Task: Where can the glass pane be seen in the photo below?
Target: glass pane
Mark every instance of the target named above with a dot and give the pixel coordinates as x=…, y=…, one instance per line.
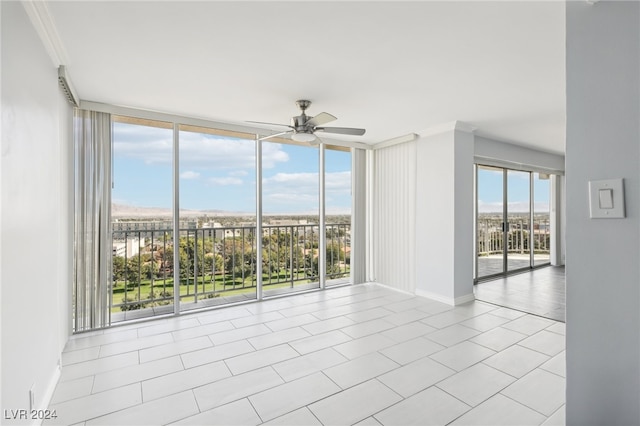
x=142, y=259
x=217, y=219
x=541, y=222
x=290, y=207
x=518, y=218
x=490, y=219
x=338, y=216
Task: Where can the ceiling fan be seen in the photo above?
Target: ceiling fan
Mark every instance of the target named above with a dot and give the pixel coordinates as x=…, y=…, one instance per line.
x=303, y=127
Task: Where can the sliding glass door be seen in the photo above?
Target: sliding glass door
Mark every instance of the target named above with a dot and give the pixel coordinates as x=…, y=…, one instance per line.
x=490, y=183
x=518, y=219
x=541, y=229
x=512, y=220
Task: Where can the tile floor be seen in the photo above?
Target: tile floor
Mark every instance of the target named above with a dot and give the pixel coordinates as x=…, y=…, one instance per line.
x=539, y=292
x=364, y=355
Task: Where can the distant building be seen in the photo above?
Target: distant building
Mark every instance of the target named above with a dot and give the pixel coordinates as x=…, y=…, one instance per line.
x=288, y=222
x=147, y=229
x=127, y=248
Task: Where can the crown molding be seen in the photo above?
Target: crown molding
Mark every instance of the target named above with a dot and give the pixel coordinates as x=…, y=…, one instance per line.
x=448, y=127
x=434, y=130
x=396, y=141
x=44, y=25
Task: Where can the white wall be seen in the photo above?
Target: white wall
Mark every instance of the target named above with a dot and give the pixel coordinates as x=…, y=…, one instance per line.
x=603, y=273
x=36, y=224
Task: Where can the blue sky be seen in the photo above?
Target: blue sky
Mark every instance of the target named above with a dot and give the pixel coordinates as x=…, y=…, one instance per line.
x=490, y=191
x=218, y=173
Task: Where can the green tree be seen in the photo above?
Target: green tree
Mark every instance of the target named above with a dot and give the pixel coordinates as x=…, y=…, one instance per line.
x=118, y=268
x=132, y=272
x=239, y=259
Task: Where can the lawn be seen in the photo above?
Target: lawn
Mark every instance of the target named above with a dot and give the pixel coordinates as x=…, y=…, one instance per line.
x=222, y=285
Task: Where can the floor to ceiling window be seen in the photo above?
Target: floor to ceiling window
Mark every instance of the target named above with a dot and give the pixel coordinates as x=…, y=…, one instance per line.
x=290, y=217
x=338, y=202
x=141, y=210
x=185, y=204
x=217, y=198
x=489, y=221
x=541, y=230
x=512, y=220
x=518, y=220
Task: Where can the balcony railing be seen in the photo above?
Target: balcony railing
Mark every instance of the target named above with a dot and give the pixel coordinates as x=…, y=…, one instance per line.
x=220, y=261
x=520, y=238
x=519, y=235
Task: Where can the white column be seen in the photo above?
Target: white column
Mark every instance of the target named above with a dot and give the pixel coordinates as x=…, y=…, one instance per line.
x=444, y=215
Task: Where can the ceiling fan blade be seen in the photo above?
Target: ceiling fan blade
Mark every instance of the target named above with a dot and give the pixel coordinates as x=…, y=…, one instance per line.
x=275, y=135
x=322, y=118
x=341, y=130
x=270, y=124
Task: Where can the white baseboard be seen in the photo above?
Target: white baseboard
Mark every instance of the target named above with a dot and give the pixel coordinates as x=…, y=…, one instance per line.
x=45, y=400
x=429, y=295
x=448, y=300
x=390, y=287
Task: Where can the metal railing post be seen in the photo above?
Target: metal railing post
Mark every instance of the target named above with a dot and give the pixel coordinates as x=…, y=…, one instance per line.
x=291, y=254
x=195, y=266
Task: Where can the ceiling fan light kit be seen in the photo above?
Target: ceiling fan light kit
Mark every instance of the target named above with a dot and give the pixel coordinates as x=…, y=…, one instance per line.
x=303, y=137
x=303, y=127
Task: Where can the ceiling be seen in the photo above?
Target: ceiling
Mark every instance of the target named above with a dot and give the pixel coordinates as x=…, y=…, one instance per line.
x=390, y=67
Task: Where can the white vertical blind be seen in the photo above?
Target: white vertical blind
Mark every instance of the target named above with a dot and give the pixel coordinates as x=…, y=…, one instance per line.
x=394, y=216
x=358, y=215
x=92, y=236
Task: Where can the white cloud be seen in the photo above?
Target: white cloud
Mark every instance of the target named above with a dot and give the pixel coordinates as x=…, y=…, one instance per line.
x=155, y=146
x=338, y=182
x=189, y=175
x=302, y=188
x=335, y=181
x=225, y=181
x=287, y=178
x=238, y=173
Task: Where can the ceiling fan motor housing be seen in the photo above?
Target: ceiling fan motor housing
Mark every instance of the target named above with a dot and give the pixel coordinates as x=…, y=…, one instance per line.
x=305, y=126
x=299, y=122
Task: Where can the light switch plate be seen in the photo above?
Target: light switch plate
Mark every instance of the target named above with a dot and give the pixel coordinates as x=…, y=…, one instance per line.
x=606, y=199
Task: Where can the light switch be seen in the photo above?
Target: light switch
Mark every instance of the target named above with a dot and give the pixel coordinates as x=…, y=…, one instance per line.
x=606, y=198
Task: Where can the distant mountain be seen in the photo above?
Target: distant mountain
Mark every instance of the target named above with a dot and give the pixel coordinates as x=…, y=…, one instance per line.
x=126, y=211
